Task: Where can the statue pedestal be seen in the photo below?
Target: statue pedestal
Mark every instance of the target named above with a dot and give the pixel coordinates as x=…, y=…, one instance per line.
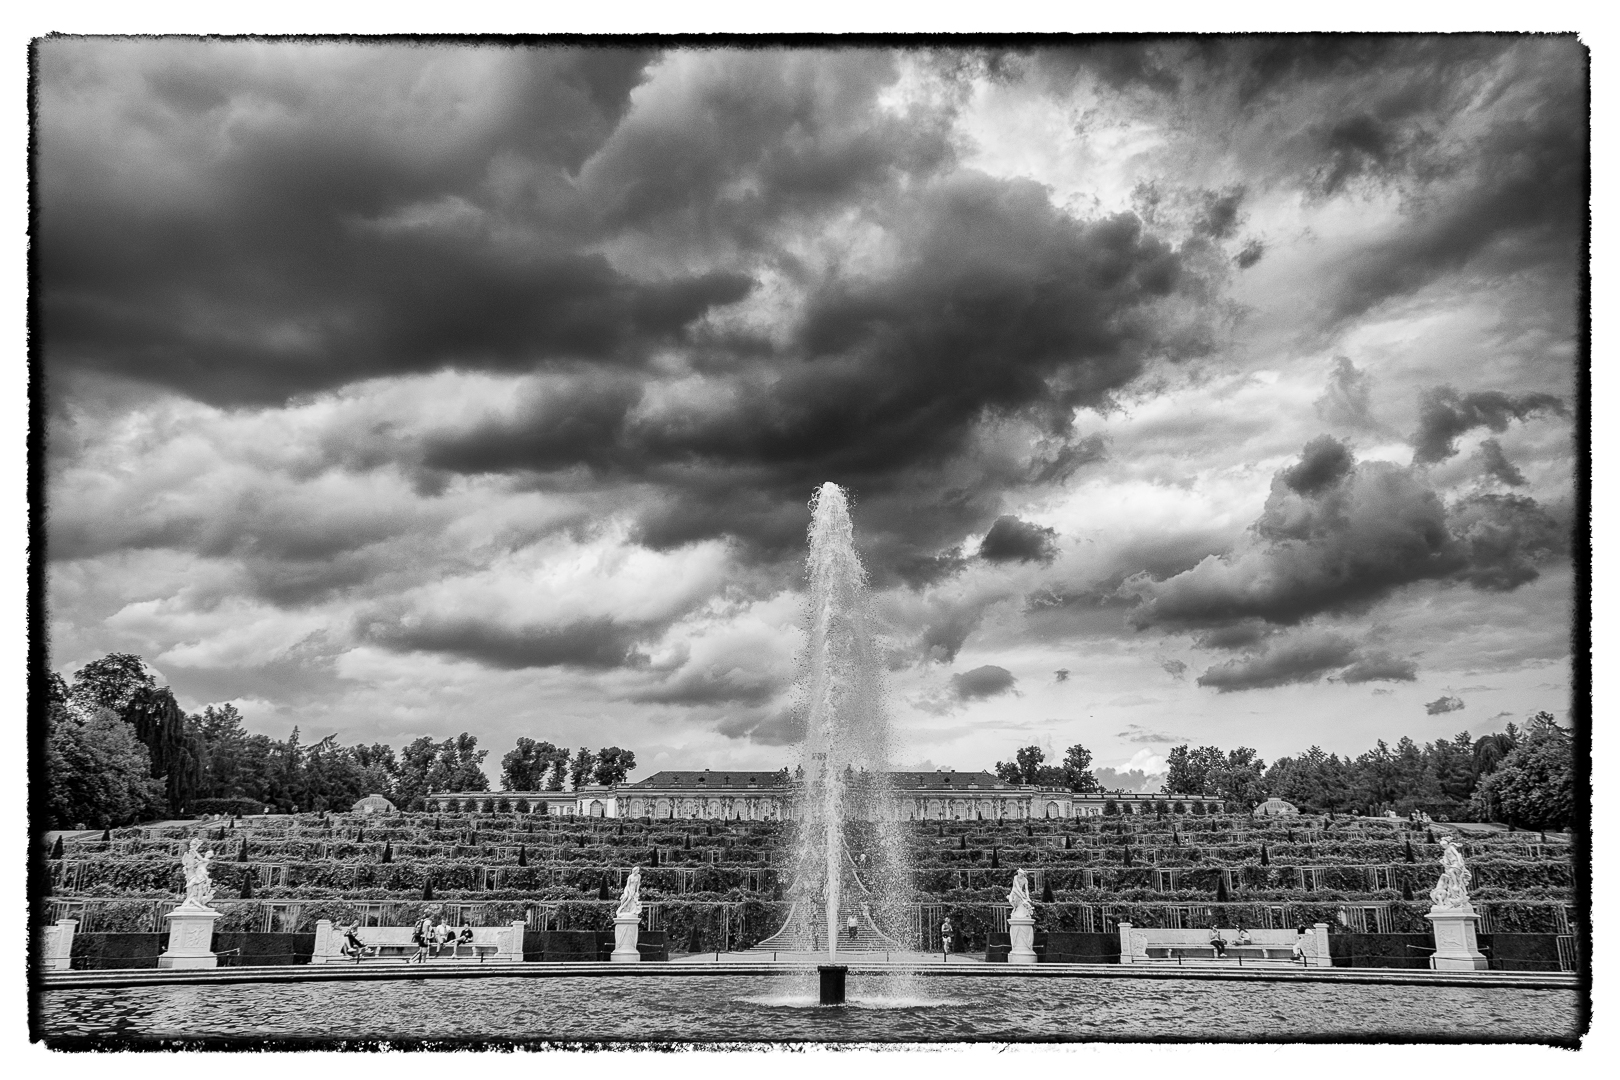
x=1455, y=946
x=58, y=946
x=1022, y=932
x=191, y=932
x=626, y=932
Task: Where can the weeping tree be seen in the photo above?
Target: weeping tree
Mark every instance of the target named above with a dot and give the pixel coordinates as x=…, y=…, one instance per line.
x=163, y=729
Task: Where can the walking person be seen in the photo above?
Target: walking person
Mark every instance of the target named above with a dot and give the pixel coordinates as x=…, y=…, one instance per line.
x=947, y=937
x=421, y=934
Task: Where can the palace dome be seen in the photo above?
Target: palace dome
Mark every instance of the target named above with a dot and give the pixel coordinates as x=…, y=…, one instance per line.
x=373, y=804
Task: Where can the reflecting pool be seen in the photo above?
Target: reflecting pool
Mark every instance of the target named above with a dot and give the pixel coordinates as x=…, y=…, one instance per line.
x=719, y=1008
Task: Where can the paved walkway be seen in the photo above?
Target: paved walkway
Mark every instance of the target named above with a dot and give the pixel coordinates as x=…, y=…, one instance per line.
x=753, y=957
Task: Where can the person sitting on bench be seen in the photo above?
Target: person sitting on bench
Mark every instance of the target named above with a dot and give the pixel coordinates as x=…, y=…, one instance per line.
x=1217, y=942
x=465, y=938
x=1243, y=936
x=352, y=945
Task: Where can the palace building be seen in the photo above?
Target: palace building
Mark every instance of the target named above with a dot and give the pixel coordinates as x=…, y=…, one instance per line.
x=943, y=795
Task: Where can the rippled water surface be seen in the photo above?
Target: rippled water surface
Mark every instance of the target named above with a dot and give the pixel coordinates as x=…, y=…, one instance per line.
x=750, y=1008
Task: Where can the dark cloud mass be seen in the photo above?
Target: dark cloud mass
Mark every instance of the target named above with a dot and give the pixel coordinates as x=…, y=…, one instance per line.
x=1443, y=705
x=1292, y=662
x=1011, y=540
x=1445, y=415
x=1337, y=537
x=1497, y=464
x=982, y=682
x=488, y=323
x=591, y=643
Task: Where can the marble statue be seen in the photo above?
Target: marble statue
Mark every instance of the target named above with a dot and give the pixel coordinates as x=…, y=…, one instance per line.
x=1022, y=907
x=194, y=861
x=630, y=899
x=1451, y=892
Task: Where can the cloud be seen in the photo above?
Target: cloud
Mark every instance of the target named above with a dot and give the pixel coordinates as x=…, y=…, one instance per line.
x=1060, y=675
x=1300, y=661
x=1176, y=668
x=1337, y=536
x=1127, y=780
x=1347, y=401
x=1137, y=734
x=1445, y=414
x=1497, y=464
x=983, y=682
x=1380, y=667
x=1443, y=705
x=1011, y=540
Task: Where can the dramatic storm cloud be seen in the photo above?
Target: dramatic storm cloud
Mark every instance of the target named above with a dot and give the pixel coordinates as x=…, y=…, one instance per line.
x=1180, y=385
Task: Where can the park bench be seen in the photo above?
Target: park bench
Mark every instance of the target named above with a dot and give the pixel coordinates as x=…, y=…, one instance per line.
x=1151, y=945
x=502, y=943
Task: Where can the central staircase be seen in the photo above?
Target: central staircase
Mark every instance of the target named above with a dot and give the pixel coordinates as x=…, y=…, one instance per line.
x=805, y=929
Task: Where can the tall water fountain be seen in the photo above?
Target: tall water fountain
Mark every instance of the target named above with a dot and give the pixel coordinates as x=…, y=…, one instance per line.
x=844, y=761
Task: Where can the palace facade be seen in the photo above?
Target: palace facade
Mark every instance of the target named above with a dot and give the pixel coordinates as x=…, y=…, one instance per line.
x=944, y=795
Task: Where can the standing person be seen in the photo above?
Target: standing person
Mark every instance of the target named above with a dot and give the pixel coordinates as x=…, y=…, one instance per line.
x=421, y=934
x=853, y=927
x=947, y=936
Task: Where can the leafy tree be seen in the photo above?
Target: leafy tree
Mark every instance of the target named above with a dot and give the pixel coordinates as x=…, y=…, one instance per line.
x=1009, y=771
x=164, y=730
x=1077, y=774
x=525, y=766
x=416, y=763
x=1491, y=749
x=1534, y=785
x=580, y=769
x=1029, y=763
x=459, y=765
x=110, y=682
x=614, y=765
x=97, y=772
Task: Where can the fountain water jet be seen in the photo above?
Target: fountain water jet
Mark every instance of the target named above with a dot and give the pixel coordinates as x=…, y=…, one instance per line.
x=844, y=757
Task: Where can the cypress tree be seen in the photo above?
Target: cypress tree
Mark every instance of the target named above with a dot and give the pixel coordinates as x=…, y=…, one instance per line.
x=1221, y=895
x=1406, y=890
x=1067, y=846
x=1265, y=858
x=241, y=856
x=1411, y=856
x=653, y=860
x=1046, y=889
x=1126, y=855
x=106, y=836
x=688, y=842
x=1290, y=836
x=602, y=890
x=995, y=858
x=964, y=841
x=388, y=851
x=56, y=849
x=427, y=888
x=247, y=884
x=523, y=855
x=360, y=835
x=1428, y=836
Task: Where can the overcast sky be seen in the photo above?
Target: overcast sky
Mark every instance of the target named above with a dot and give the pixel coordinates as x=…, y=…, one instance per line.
x=1210, y=391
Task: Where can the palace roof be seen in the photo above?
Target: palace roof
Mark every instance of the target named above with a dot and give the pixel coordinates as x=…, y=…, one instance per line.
x=712, y=780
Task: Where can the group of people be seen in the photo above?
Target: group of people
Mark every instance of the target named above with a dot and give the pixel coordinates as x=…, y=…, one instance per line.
x=1218, y=943
x=432, y=938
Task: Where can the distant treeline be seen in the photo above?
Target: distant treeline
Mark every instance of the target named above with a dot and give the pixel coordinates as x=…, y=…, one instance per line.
x=1520, y=776
x=119, y=749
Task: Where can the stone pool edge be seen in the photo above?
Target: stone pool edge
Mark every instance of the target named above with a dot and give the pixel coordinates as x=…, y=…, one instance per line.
x=132, y=977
